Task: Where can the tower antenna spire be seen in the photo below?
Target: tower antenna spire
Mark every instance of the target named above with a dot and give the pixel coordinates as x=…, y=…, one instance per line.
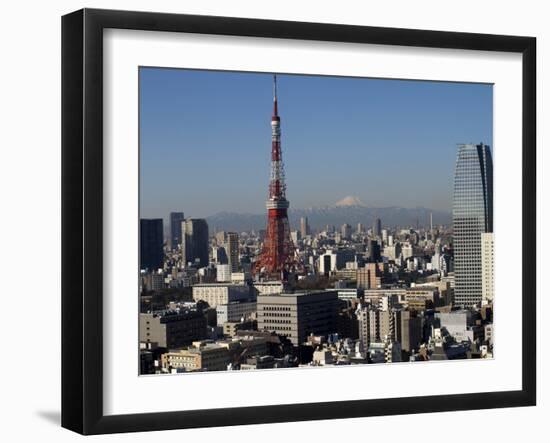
x=275, y=110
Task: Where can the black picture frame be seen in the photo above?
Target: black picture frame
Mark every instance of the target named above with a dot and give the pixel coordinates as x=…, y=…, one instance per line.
x=82, y=218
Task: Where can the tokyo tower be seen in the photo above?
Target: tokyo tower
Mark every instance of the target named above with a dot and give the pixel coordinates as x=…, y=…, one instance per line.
x=277, y=257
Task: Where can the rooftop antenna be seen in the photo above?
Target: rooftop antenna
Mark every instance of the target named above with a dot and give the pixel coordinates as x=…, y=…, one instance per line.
x=274, y=94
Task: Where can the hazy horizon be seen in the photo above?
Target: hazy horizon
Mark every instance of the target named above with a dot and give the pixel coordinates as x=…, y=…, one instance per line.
x=262, y=211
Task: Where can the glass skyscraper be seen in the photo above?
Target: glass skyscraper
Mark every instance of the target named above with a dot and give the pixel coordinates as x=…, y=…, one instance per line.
x=194, y=232
x=472, y=216
x=175, y=228
x=151, y=239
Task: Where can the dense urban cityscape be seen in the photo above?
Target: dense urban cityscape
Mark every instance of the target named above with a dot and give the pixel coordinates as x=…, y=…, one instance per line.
x=320, y=295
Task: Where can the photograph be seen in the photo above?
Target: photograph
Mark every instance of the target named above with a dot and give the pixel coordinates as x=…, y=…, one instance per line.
x=308, y=221
x=227, y=220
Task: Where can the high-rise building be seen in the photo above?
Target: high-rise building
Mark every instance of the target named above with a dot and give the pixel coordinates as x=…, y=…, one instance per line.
x=304, y=227
x=377, y=228
x=360, y=228
x=232, y=250
x=374, y=325
x=406, y=328
x=407, y=250
x=194, y=243
x=151, y=239
x=374, y=251
x=472, y=216
x=346, y=231
x=334, y=260
x=487, y=266
x=175, y=228
x=369, y=277
x=221, y=237
x=219, y=255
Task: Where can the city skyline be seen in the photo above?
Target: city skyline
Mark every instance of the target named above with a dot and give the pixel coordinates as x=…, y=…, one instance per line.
x=217, y=300
x=189, y=116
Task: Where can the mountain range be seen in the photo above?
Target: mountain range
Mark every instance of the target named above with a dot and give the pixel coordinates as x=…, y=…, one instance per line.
x=348, y=210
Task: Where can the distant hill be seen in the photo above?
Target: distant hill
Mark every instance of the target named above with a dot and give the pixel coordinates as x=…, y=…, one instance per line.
x=345, y=212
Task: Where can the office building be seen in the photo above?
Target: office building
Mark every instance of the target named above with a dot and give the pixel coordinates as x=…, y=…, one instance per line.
x=385, y=351
x=374, y=251
x=374, y=325
x=472, y=216
x=223, y=273
x=406, y=328
x=221, y=238
x=200, y=357
x=219, y=255
x=269, y=287
x=194, y=233
x=304, y=227
x=456, y=324
x=346, y=231
x=335, y=260
x=235, y=311
x=377, y=228
x=392, y=251
x=221, y=293
x=297, y=315
x=151, y=240
x=406, y=250
x=154, y=281
x=175, y=229
x=369, y=276
x=232, y=250
x=172, y=329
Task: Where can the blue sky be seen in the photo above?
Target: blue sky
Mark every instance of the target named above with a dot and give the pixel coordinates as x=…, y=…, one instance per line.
x=205, y=139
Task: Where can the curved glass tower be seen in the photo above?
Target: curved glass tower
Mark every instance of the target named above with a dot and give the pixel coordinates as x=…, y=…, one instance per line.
x=472, y=216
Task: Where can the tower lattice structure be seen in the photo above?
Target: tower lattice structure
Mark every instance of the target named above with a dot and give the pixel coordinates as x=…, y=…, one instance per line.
x=278, y=254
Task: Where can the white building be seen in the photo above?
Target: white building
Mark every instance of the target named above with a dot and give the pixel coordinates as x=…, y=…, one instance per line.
x=487, y=266
x=269, y=287
x=385, y=351
x=223, y=273
x=322, y=357
x=235, y=311
x=348, y=293
x=456, y=324
x=335, y=260
x=406, y=250
x=436, y=261
x=392, y=251
x=220, y=293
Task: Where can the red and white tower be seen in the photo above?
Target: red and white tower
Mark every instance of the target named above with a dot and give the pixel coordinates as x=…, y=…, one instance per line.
x=278, y=255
